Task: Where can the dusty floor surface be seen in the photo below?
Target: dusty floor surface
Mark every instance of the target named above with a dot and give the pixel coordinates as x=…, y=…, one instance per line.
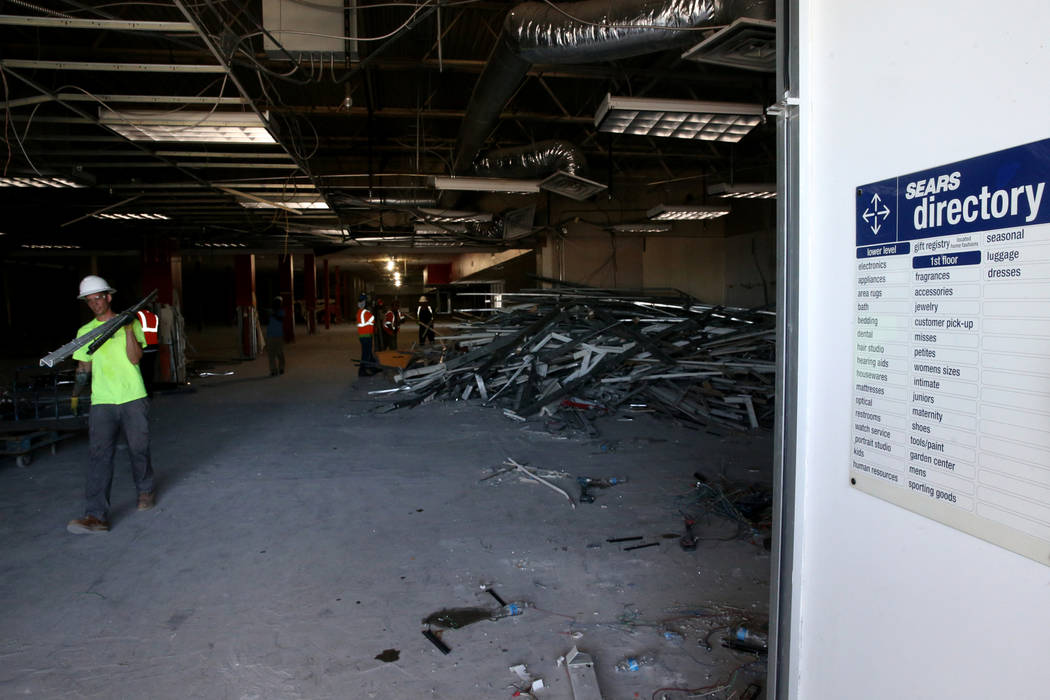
x=298, y=535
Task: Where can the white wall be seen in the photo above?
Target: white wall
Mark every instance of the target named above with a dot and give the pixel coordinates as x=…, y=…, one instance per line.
x=891, y=604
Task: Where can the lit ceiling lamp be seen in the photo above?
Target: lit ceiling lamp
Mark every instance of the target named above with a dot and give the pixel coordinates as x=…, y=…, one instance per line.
x=284, y=204
x=572, y=186
x=485, y=184
x=132, y=217
x=641, y=228
x=447, y=216
x=38, y=182
x=683, y=119
x=747, y=43
x=438, y=229
x=187, y=127
x=685, y=212
x=390, y=265
x=761, y=190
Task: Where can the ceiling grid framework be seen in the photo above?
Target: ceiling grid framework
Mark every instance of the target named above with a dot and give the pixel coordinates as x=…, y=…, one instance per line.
x=350, y=148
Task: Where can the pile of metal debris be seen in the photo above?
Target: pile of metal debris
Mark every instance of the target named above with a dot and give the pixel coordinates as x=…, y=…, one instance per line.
x=606, y=350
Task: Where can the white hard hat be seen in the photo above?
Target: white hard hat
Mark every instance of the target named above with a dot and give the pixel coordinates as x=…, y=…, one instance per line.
x=93, y=284
x=422, y=299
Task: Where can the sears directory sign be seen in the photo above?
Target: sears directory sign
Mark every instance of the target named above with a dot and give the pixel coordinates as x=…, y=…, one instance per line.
x=951, y=372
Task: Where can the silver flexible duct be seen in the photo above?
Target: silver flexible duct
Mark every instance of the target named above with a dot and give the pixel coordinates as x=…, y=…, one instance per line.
x=584, y=32
x=538, y=160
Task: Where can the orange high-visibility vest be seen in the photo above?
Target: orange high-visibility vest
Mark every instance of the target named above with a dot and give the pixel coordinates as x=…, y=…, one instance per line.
x=150, y=326
x=365, y=322
x=389, y=324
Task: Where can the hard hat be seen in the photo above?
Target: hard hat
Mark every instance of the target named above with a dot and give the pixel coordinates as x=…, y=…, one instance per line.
x=379, y=302
x=93, y=284
x=363, y=297
x=422, y=299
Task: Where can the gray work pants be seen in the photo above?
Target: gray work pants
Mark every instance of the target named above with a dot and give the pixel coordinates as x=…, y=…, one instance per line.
x=104, y=426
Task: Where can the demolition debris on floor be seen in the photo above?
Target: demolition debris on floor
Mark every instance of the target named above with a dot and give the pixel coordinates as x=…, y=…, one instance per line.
x=564, y=353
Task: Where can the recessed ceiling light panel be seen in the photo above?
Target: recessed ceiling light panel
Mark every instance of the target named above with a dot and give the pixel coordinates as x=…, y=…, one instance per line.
x=187, y=127
x=685, y=212
x=685, y=119
x=724, y=190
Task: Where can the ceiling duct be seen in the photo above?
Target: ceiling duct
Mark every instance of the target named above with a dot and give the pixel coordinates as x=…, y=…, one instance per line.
x=534, y=161
x=591, y=31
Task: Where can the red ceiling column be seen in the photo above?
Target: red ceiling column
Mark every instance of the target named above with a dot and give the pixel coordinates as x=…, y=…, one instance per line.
x=310, y=292
x=162, y=270
x=286, y=280
x=327, y=297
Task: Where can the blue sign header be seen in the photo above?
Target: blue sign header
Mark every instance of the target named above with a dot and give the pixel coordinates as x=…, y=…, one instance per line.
x=997, y=190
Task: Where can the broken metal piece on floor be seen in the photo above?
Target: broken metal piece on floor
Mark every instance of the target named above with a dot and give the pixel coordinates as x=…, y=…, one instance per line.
x=642, y=546
x=495, y=595
x=541, y=480
x=582, y=677
x=625, y=539
x=456, y=618
x=436, y=641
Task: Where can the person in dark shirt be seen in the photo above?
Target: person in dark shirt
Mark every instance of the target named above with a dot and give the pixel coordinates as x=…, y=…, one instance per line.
x=275, y=337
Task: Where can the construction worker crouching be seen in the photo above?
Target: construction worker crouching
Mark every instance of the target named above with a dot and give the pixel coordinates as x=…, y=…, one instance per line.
x=118, y=403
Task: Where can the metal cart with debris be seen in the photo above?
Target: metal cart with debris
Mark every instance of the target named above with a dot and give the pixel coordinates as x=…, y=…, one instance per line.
x=38, y=412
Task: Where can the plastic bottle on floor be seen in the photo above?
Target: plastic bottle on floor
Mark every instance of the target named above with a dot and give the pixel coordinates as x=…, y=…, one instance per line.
x=634, y=663
x=511, y=609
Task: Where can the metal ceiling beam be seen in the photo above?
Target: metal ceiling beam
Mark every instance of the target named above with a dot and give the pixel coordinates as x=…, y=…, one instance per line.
x=104, y=24
x=110, y=67
x=217, y=54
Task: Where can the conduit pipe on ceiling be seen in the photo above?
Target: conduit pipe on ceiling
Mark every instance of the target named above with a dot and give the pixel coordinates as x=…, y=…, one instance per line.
x=583, y=32
x=407, y=198
x=534, y=161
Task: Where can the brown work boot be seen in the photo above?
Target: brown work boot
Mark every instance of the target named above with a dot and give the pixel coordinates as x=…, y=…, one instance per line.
x=147, y=500
x=88, y=525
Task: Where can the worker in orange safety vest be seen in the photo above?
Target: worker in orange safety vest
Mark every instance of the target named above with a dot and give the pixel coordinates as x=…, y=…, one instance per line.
x=147, y=365
x=366, y=325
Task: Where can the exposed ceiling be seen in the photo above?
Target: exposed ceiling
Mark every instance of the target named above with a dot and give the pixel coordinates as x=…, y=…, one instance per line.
x=359, y=134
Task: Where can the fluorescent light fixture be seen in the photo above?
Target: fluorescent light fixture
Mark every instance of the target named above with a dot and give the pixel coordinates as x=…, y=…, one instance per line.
x=683, y=119
x=132, y=217
x=763, y=190
x=390, y=264
x=572, y=186
x=641, y=228
x=438, y=229
x=485, y=184
x=222, y=245
x=444, y=216
x=187, y=127
x=285, y=204
x=746, y=43
x=49, y=246
x=685, y=212
x=38, y=182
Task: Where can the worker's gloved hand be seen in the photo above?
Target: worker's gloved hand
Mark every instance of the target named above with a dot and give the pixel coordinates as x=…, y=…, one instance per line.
x=83, y=379
x=82, y=382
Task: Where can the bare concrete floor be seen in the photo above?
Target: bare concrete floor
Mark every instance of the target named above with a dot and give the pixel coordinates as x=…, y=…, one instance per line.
x=298, y=535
